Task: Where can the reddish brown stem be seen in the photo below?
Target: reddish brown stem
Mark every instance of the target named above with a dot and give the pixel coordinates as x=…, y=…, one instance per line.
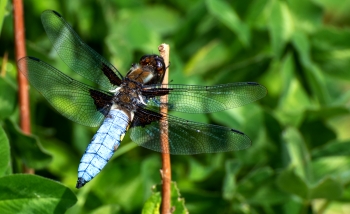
x=166, y=166
x=22, y=81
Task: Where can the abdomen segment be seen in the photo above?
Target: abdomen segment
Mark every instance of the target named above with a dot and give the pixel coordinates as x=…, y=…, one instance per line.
x=102, y=146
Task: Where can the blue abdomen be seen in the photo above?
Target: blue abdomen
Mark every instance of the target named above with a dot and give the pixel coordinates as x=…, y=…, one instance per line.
x=102, y=146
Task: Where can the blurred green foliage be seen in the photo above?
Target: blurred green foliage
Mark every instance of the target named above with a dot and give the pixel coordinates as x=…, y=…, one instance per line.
x=300, y=50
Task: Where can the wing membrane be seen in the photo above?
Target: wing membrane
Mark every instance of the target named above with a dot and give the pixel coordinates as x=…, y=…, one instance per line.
x=206, y=99
x=76, y=54
x=68, y=96
x=186, y=137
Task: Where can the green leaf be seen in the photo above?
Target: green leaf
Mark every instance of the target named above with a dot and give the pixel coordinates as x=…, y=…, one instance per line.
x=107, y=209
x=33, y=194
x=334, y=148
x=292, y=206
x=316, y=82
x=317, y=133
x=315, y=130
x=125, y=34
x=121, y=53
x=341, y=126
x=272, y=80
x=145, y=41
x=27, y=148
x=207, y=58
x=328, y=188
x=198, y=171
x=240, y=119
x=4, y=153
x=308, y=16
x=331, y=51
x=230, y=183
x=272, y=127
x=177, y=203
x=293, y=100
x=281, y=26
x=250, y=185
x=8, y=100
x=3, y=4
x=148, y=176
x=325, y=113
x=256, y=15
x=152, y=205
x=289, y=181
x=63, y=157
x=124, y=174
x=167, y=24
x=336, y=166
x=303, y=46
x=267, y=194
x=338, y=8
x=298, y=153
x=225, y=13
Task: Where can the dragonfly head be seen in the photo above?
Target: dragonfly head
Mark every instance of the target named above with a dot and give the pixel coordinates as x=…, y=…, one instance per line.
x=154, y=63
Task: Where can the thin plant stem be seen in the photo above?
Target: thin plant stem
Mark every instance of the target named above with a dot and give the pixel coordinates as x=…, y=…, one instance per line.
x=20, y=49
x=166, y=166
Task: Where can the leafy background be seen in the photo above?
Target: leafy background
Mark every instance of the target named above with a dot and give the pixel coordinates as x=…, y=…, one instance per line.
x=299, y=161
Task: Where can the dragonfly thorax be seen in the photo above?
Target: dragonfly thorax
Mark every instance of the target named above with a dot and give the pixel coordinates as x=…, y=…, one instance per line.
x=128, y=96
x=150, y=70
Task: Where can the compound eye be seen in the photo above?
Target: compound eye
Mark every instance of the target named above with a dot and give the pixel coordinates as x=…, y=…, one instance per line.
x=159, y=65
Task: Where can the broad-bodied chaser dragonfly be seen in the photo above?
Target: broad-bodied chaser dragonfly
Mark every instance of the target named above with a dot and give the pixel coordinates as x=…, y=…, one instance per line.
x=132, y=101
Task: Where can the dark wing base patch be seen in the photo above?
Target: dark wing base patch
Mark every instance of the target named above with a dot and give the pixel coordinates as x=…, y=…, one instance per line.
x=113, y=78
x=145, y=117
x=153, y=92
x=102, y=101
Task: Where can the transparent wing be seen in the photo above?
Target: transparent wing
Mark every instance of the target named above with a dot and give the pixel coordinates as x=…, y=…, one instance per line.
x=186, y=137
x=206, y=99
x=76, y=54
x=68, y=96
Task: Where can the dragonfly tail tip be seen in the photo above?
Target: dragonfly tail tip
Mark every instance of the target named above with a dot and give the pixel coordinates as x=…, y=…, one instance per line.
x=80, y=183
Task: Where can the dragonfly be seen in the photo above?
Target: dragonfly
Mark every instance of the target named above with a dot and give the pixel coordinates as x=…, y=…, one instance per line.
x=132, y=102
